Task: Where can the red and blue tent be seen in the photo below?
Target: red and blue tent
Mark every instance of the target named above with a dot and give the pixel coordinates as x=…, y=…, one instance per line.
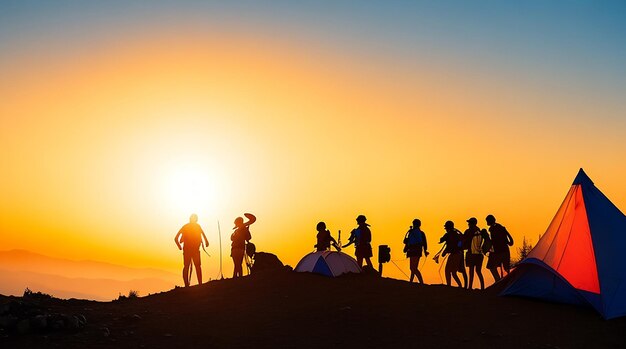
x=580, y=259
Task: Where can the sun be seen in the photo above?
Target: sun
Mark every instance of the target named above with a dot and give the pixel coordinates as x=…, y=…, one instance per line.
x=190, y=189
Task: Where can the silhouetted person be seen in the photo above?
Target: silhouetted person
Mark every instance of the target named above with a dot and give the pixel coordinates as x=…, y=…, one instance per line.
x=324, y=239
x=474, y=238
x=414, y=244
x=361, y=237
x=239, y=238
x=500, y=242
x=191, y=235
x=453, y=240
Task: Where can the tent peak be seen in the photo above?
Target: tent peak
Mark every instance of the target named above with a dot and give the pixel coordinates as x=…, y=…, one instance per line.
x=582, y=178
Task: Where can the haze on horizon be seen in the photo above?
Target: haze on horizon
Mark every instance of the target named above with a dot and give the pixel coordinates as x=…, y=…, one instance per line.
x=120, y=119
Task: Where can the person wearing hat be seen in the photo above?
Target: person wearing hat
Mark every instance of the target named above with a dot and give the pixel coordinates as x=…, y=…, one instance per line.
x=324, y=239
x=239, y=238
x=361, y=237
x=453, y=248
x=414, y=243
x=191, y=236
x=500, y=256
x=474, y=240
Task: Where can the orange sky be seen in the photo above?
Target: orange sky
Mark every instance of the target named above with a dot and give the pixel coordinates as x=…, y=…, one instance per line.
x=99, y=147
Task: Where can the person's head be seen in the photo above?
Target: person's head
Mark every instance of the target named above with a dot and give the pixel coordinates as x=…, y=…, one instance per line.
x=361, y=220
x=417, y=223
x=321, y=226
x=193, y=218
x=472, y=222
x=449, y=225
x=491, y=220
x=238, y=222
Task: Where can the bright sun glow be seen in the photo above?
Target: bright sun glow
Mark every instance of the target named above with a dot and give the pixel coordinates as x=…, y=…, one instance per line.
x=190, y=189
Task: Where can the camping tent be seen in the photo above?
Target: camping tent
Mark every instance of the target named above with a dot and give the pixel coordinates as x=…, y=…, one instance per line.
x=328, y=263
x=580, y=257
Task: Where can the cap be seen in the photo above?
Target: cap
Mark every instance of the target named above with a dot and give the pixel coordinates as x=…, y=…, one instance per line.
x=449, y=224
x=472, y=220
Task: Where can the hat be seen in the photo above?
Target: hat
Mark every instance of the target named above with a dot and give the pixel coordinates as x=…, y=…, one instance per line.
x=472, y=220
x=361, y=219
x=321, y=226
x=238, y=222
x=449, y=224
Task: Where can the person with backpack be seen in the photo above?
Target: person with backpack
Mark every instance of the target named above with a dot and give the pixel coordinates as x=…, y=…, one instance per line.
x=500, y=256
x=361, y=237
x=475, y=241
x=453, y=248
x=191, y=236
x=240, y=237
x=414, y=243
x=324, y=239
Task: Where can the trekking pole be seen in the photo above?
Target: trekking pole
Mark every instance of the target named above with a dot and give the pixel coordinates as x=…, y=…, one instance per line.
x=219, y=232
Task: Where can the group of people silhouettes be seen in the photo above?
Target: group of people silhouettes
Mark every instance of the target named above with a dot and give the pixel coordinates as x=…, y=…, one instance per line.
x=191, y=236
x=470, y=247
x=462, y=250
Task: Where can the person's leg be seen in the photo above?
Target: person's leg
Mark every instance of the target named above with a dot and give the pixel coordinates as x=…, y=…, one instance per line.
x=197, y=264
x=359, y=260
x=479, y=273
x=186, y=265
x=413, y=267
x=494, y=272
x=369, y=262
x=471, y=277
x=448, y=278
x=417, y=271
x=462, y=270
x=456, y=279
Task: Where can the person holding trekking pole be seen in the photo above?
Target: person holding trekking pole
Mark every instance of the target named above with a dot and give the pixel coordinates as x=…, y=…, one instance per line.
x=240, y=238
x=414, y=243
x=191, y=236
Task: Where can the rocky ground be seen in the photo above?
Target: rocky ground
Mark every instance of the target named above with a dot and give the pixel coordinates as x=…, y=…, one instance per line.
x=293, y=310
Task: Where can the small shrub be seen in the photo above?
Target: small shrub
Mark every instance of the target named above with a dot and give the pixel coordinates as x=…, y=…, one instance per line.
x=35, y=295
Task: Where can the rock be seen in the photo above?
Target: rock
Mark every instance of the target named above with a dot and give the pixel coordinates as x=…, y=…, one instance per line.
x=105, y=331
x=23, y=326
x=71, y=322
x=264, y=261
x=39, y=322
x=82, y=320
x=136, y=317
x=56, y=323
x=7, y=321
x=4, y=309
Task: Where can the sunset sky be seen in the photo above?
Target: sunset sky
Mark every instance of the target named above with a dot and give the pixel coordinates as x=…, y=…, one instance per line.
x=120, y=119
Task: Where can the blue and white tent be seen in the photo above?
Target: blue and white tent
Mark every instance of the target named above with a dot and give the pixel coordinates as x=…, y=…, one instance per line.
x=580, y=258
x=328, y=263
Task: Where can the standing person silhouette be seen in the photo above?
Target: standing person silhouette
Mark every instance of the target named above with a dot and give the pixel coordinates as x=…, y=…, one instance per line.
x=474, y=238
x=500, y=242
x=415, y=242
x=239, y=238
x=455, y=263
x=324, y=239
x=191, y=235
x=361, y=237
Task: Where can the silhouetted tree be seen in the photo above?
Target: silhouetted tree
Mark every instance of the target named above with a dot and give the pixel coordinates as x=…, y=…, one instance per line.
x=522, y=252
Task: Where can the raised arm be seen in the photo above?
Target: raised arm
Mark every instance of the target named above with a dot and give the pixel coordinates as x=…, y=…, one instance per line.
x=177, y=238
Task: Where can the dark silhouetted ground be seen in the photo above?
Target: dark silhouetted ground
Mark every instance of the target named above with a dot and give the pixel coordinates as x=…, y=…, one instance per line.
x=292, y=310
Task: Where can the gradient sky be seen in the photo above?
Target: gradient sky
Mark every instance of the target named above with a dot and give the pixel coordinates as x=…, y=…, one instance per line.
x=119, y=119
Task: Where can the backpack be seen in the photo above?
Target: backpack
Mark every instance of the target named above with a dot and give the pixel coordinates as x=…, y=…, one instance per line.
x=250, y=249
x=486, y=241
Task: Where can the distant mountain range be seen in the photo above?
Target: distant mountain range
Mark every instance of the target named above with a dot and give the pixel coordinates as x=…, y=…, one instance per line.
x=64, y=278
